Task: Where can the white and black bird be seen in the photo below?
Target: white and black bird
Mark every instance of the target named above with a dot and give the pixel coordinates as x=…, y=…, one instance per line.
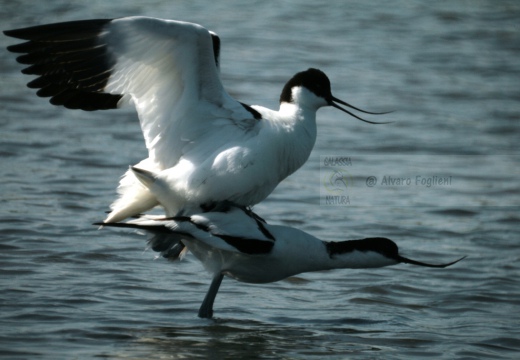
x=237, y=243
x=204, y=147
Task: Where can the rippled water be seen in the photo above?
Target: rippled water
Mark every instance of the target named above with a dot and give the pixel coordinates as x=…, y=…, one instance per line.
x=450, y=71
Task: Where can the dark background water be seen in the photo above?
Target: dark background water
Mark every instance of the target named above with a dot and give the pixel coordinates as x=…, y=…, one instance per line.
x=450, y=72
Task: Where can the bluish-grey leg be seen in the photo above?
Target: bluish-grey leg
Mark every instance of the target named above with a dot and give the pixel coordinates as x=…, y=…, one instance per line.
x=206, y=309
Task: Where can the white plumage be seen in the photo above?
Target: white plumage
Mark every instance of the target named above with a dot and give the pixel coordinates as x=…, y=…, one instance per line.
x=204, y=147
x=237, y=243
x=210, y=157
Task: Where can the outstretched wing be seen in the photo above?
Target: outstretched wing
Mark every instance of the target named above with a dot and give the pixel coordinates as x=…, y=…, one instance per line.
x=168, y=69
x=72, y=63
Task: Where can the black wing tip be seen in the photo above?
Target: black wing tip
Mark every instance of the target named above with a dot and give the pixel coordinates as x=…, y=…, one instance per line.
x=161, y=240
x=119, y=225
x=61, y=80
x=13, y=33
x=102, y=223
x=38, y=32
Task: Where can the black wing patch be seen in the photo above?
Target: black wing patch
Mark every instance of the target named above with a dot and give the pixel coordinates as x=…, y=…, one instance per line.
x=72, y=62
x=248, y=246
x=242, y=244
x=381, y=245
x=253, y=112
x=216, y=48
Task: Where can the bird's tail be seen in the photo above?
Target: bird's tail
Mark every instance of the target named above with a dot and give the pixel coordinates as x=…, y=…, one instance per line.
x=134, y=198
x=160, y=237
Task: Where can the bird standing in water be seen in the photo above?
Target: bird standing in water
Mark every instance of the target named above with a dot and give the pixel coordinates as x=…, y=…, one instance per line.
x=237, y=243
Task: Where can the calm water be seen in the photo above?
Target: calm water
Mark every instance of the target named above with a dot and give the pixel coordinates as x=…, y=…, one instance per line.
x=450, y=70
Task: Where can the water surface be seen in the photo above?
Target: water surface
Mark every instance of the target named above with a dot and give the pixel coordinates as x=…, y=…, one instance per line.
x=450, y=71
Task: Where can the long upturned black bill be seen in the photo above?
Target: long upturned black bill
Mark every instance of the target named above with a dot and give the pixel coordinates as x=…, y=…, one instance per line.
x=414, y=262
x=336, y=100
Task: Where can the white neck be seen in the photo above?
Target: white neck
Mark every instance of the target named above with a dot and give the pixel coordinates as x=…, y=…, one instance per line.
x=293, y=130
x=299, y=119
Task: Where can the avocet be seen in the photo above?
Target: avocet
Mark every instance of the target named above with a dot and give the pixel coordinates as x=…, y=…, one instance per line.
x=204, y=147
x=237, y=243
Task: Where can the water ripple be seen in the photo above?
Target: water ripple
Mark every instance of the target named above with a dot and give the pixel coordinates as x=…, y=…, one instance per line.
x=451, y=74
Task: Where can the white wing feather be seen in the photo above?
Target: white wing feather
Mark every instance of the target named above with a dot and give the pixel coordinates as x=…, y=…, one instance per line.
x=203, y=146
x=167, y=69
